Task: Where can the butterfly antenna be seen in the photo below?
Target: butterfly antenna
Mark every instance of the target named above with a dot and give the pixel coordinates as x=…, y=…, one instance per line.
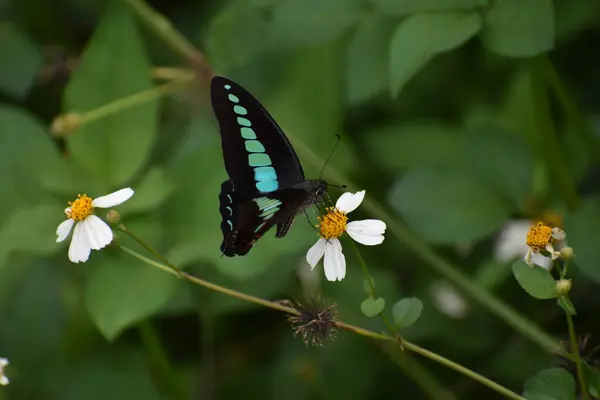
x=339, y=138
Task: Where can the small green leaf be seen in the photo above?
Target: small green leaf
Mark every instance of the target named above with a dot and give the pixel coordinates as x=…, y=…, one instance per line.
x=313, y=21
x=21, y=61
x=446, y=206
x=368, y=59
x=422, y=36
x=372, y=307
x=566, y=305
x=550, y=384
x=402, y=7
x=154, y=188
x=583, y=237
x=407, y=311
x=535, y=280
x=122, y=291
x=592, y=377
x=114, y=65
x=515, y=28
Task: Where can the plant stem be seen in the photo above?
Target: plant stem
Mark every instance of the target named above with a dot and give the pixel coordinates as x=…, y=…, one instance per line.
x=159, y=361
x=444, y=268
x=132, y=101
x=164, y=29
x=169, y=268
x=546, y=135
x=578, y=361
x=369, y=278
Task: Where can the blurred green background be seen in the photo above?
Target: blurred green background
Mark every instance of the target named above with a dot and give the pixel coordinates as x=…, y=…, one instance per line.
x=457, y=117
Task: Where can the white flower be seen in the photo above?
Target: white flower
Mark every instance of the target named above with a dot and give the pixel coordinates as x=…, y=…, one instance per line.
x=541, y=239
x=3, y=379
x=448, y=300
x=511, y=243
x=90, y=233
x=333, y=225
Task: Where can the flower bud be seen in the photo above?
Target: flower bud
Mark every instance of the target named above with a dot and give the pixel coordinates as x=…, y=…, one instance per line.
x=113, y=216
x=65, y=123
x=563, y=286
x=566, y=253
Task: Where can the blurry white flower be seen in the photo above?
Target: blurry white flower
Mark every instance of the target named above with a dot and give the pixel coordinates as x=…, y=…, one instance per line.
x=511, y=243
x=90, y=233
x=333, y=225
x=448, y=300
x=3, y=379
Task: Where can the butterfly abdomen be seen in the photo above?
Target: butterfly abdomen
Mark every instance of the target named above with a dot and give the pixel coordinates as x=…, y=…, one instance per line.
x=228, y=209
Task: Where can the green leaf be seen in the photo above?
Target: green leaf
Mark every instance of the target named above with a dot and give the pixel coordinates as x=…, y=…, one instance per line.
x=416, y=145
x=401, y=7
x=422, y=36
x=152, y=191
x=446, y=206
x=21, y=61
x=113, y=66
x=550, y=384
x=310, y=22
x=566, y=305
x=501, y=159
x=514, y=28
x=368, y=59
x=592, y=377
x=536, y=281
x=582, y=236
x=407, y=311
x=236, y=34
x=122, y=291
x=372, y=307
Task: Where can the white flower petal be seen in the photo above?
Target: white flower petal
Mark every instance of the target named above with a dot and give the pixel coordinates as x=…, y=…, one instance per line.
x=335, y=262
x=113, y=199
x=4, y=380
x=541, y=260
x=68, y=210
x=79, y=250
x=368, y=232
x=315, y=253
x=98, y=233
x=64, y=229
x=511, y=242
x=349, y=201
x=558, y=234
x=3, y=362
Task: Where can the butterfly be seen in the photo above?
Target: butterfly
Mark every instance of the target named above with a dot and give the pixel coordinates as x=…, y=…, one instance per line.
x=266, y=185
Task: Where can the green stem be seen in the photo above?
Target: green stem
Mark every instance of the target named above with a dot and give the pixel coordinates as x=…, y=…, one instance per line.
x=444, y=268
x=463, y=370
x=159, y=361
x=369, y=278
x=132, y=101
x=341, y=325
x=578, y=361
x=570, y=107
x=419, y=374
x=164, y=29
x=546, y=134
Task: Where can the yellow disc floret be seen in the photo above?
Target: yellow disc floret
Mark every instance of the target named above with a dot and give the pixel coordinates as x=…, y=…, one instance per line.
x=81, y=208
x=539, y=236
x=332, y=224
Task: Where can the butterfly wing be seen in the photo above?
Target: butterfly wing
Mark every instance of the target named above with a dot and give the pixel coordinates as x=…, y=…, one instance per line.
x=258, y=156
x=244, y=222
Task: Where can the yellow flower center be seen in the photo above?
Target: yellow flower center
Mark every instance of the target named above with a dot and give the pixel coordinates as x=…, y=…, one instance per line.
x=332, y=224
x=539, y=236
x=80, y=208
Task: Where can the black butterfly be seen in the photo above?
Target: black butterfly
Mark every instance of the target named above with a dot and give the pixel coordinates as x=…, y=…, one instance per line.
x=266, y=183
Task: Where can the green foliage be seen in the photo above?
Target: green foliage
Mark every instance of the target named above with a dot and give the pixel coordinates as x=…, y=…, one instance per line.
x=407, y=311
x=433, y=100
x=421, y=37
x=513, y=28
x=21, y=61
x=550, y=384
x=114, y=65
x=447, y=206
x=372, y=307
x=535, y=280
